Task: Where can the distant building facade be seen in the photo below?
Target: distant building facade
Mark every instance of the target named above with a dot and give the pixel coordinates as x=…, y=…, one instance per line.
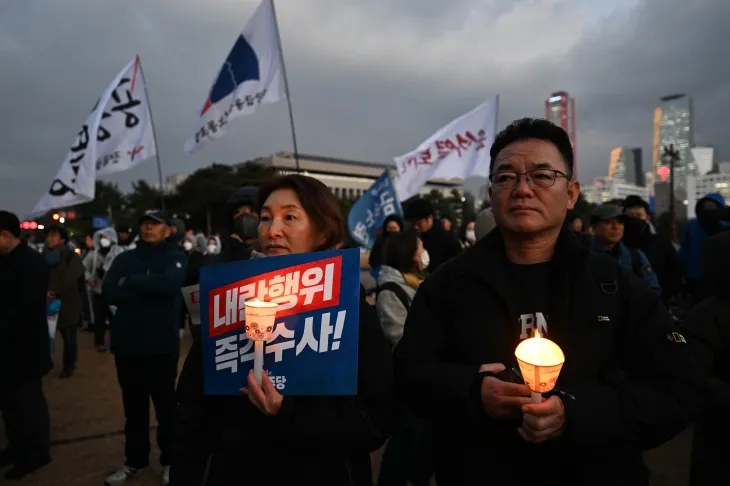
x=625, y=165
x=604, y=189
x=347, y=179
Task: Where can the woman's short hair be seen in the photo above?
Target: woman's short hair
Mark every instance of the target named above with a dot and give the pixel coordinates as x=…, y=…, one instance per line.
x=316, y=199
x=400, y=248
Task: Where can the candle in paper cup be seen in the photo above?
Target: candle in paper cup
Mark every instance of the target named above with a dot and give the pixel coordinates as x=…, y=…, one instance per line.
x=260, y=322
x=260, y=319
x=540, y=362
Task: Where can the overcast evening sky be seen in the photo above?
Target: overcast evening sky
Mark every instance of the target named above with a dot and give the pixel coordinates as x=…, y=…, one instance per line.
x=370, y=79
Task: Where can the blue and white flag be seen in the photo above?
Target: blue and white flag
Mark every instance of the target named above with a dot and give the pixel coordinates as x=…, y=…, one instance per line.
x=369, y=212
x=252, y=74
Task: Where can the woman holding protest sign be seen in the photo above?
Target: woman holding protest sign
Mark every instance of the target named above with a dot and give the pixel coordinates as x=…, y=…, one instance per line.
x=263, y=437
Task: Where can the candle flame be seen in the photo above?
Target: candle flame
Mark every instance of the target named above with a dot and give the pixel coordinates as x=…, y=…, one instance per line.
x=537, y=334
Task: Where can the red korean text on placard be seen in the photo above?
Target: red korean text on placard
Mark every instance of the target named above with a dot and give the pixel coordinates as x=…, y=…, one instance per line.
x=301, y=288
x=195, y=297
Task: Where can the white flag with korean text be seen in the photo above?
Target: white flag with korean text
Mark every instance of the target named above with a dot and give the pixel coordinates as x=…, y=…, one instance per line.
x=251, y=74
x=127, y=124
x=457, y=151
x=121, y=123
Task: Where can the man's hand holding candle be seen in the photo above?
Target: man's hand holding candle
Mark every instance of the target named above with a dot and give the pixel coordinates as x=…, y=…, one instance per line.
x=502, y=399
x=264, y=397
x=543, y=421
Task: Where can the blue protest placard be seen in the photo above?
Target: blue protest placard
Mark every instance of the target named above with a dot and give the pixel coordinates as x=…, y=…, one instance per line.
x=369, y=212
x=314, y=346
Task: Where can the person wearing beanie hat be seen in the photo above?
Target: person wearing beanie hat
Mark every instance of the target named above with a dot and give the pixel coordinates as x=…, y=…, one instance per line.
x=440, y=245
x=25, y=352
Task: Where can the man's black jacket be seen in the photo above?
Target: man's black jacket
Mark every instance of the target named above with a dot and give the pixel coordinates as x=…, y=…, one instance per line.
x=627, y=369
x=25, y=350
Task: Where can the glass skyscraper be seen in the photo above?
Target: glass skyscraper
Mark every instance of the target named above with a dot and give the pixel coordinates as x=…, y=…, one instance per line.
x=625, y=165
x=673, y=125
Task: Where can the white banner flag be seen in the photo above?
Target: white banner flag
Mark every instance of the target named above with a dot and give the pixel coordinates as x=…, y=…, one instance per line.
x=458, y=150
x=75, y=181
x=127, y=123
x=252, y=74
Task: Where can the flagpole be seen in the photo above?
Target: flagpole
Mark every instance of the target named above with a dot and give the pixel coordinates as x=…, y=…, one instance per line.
x=154, y=135
x=286, y=88
x=496, y=118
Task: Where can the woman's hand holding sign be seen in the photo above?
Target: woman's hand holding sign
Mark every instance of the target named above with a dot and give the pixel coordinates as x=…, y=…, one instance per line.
x=264, y=397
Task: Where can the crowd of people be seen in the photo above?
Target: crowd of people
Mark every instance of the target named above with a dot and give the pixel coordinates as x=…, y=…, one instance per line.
x=438, y=383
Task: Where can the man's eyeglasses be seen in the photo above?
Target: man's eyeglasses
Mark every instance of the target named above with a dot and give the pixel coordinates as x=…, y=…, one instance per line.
x=536, y=179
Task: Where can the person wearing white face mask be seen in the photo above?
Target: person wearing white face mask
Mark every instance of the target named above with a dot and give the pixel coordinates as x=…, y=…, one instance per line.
x=192, y=274
x=406, y=456
x=96, y=263
x=213, y=247
x=468, y=234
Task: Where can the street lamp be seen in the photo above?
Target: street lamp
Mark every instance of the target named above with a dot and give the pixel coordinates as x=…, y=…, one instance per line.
x=671, y=157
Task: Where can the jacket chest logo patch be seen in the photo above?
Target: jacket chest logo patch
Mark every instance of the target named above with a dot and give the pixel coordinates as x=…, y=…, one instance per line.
x=604, y=319
x=676, y=337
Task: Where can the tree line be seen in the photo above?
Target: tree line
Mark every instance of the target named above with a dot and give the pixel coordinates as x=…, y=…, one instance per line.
x=199, y=200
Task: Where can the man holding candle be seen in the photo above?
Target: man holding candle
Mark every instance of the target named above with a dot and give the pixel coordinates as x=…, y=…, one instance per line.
x=625, y=384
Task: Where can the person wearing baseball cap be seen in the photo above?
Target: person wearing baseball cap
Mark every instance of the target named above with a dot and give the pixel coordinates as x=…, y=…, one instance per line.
x=608, y=222
x=25, y=352
x=144, y=284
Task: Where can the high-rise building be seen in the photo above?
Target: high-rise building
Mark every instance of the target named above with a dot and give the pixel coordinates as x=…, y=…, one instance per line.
x=560, y=109
x=625, y=165
x=704, y=159
x=673, y=125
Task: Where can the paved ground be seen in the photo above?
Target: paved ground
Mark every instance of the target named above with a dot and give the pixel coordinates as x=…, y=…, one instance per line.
x=86, y=417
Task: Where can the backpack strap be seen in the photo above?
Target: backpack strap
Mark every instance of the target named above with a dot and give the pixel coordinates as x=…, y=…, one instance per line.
x=398, y=291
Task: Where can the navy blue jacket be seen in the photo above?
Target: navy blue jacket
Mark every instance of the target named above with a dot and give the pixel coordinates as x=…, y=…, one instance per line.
x=144, y=284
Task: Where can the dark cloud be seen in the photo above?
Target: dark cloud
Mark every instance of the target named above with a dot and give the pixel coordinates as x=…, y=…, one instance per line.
x=369, y=80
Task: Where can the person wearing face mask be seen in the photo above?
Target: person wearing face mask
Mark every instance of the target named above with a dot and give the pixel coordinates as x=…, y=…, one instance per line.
x=192, y=274
x=242, y=227
x=65, y=271
x=195, y=260
x=468, y=236
x=212, y=246
x=96, y=263
x=639, y=234
x=321, y=439
x=712, y=218
x=406, y=458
